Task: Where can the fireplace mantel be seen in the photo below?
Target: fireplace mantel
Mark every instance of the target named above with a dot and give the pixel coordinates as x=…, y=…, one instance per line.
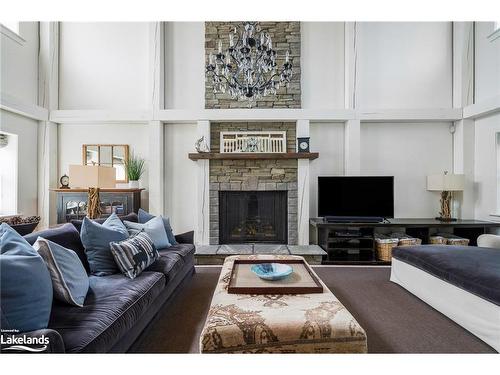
x=253, y=156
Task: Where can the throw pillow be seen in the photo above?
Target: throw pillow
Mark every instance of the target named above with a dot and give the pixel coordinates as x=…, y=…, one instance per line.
x=26, y=291
x=69, y=279
x=96, y=239
x=134, y=254
x=144, y=217
x=155, y=230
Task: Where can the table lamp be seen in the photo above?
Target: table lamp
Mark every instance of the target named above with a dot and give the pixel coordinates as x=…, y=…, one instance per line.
x=446, y=183
x=93, y=178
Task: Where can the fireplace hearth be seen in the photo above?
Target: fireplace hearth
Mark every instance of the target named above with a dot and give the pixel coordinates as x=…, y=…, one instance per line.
x=253, y=217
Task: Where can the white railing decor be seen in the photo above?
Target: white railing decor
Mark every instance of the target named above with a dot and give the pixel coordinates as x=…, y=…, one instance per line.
x=253, y=142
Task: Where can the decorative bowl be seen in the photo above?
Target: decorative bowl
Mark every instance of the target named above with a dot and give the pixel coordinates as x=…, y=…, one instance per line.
x=272, y=271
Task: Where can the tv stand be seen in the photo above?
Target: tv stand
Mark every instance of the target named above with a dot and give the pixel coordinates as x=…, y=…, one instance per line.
x=354, y=242
x=354, y=219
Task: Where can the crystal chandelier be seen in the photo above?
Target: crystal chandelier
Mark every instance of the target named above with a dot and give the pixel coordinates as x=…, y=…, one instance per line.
x=248, y=68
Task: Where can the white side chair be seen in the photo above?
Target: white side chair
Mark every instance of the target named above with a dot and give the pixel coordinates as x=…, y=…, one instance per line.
x=489, y=240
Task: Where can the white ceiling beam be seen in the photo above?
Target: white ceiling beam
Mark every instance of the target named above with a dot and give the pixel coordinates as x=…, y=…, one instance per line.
x=48, y=98
x=484, y=108
x=156, y=185
x=409, y=115
x=313, y=115
x=350, y=64
x=100, y=116
x=463, y=63
x=15, y=105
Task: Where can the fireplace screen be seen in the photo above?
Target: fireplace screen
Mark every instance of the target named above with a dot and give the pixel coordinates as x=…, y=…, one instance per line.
x=252, y=216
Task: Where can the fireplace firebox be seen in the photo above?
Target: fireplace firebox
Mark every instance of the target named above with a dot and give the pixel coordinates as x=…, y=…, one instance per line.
x=253, y=217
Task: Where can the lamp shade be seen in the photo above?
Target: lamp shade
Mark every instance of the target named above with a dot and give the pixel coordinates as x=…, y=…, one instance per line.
x=445, y=182
x=85, y=176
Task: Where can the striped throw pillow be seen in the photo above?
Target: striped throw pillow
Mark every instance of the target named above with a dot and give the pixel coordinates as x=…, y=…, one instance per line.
x=134, y=254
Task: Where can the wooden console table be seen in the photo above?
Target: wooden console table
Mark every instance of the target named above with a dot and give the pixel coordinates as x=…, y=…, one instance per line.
x=72, y=203
x=354, y=243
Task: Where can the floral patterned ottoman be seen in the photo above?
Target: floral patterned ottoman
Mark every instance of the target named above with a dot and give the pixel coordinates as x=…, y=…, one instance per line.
x=301, y=323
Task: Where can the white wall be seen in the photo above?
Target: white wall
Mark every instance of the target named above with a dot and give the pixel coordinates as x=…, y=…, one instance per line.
x=486, y=63
x=72, y=137
x=328, y=140
x=27, y=178
x=404, y=65
x=180, y=176
x=409, y=152
x=104, y=65
x=400, y=65
x=485, y=168
x=185, y=65
x=19, y=64
x=322, y=64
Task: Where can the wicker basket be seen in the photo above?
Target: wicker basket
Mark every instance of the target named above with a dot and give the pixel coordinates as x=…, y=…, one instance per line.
x=407, y=241
x=437, y=240
x=384, y=248
x=404, y=239
x=457, y=241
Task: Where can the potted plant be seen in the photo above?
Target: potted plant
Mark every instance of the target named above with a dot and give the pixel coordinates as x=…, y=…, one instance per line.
x=134, y=167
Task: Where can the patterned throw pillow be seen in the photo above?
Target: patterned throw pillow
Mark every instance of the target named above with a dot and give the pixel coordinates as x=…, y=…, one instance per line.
x=134, y=254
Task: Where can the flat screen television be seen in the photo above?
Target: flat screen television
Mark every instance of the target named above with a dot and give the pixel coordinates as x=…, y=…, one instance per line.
x=356, y=196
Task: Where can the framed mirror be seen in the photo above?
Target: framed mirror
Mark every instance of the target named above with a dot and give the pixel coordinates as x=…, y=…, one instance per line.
x=108, y=156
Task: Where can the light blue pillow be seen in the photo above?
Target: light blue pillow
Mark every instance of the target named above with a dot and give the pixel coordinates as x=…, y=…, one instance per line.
x=26, y=288
x=144, y=217
x=69, y=279
x=153, y=228
x=96, y=239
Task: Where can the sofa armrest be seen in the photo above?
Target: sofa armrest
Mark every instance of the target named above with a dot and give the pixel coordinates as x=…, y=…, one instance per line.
x=187, y=237
x=54, y=342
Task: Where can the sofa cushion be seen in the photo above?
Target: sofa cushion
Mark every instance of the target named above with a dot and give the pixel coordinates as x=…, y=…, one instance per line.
x=129, y=217
x=96, y=239
x=114, y=304
x=65, y=235
x=70, y=281
x=26, y=292
x=184, y=250
x=172, y=260
x=154, y=229
x=144, y=217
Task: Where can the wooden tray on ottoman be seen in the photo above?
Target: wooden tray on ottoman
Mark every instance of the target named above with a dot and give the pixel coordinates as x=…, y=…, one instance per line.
x=301, y=281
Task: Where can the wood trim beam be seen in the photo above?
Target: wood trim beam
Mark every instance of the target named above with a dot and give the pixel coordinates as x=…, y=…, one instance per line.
x=252, y=156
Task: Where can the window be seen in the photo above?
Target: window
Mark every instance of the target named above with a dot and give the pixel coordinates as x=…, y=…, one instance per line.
x=10, y=29
x=107, y=156
x=8, y=174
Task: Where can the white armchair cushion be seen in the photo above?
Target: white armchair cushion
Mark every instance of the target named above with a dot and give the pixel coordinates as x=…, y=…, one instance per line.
x=489, y=240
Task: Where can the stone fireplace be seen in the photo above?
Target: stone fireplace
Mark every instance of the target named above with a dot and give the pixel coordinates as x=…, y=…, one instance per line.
x=253, y=175
x=253, y=217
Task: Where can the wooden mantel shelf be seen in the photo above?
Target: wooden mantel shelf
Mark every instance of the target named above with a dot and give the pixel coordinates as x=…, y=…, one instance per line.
x=116, y=190
x=253, y=156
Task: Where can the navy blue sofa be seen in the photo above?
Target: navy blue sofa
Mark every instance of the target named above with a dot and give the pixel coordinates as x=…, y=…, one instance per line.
x=117, y=309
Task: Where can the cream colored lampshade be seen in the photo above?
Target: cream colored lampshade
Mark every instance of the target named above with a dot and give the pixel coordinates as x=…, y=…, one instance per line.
x=85, y=176
x=445, y=182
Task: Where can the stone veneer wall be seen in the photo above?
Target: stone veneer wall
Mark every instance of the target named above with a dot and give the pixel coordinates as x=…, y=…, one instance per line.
x=285, y=36
x=248, y=175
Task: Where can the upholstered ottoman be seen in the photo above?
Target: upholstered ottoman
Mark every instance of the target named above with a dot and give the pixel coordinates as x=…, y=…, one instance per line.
x=301, y=323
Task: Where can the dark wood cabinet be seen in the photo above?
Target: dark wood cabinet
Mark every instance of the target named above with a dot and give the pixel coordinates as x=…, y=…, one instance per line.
x=72, y=203
x=354, y=243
